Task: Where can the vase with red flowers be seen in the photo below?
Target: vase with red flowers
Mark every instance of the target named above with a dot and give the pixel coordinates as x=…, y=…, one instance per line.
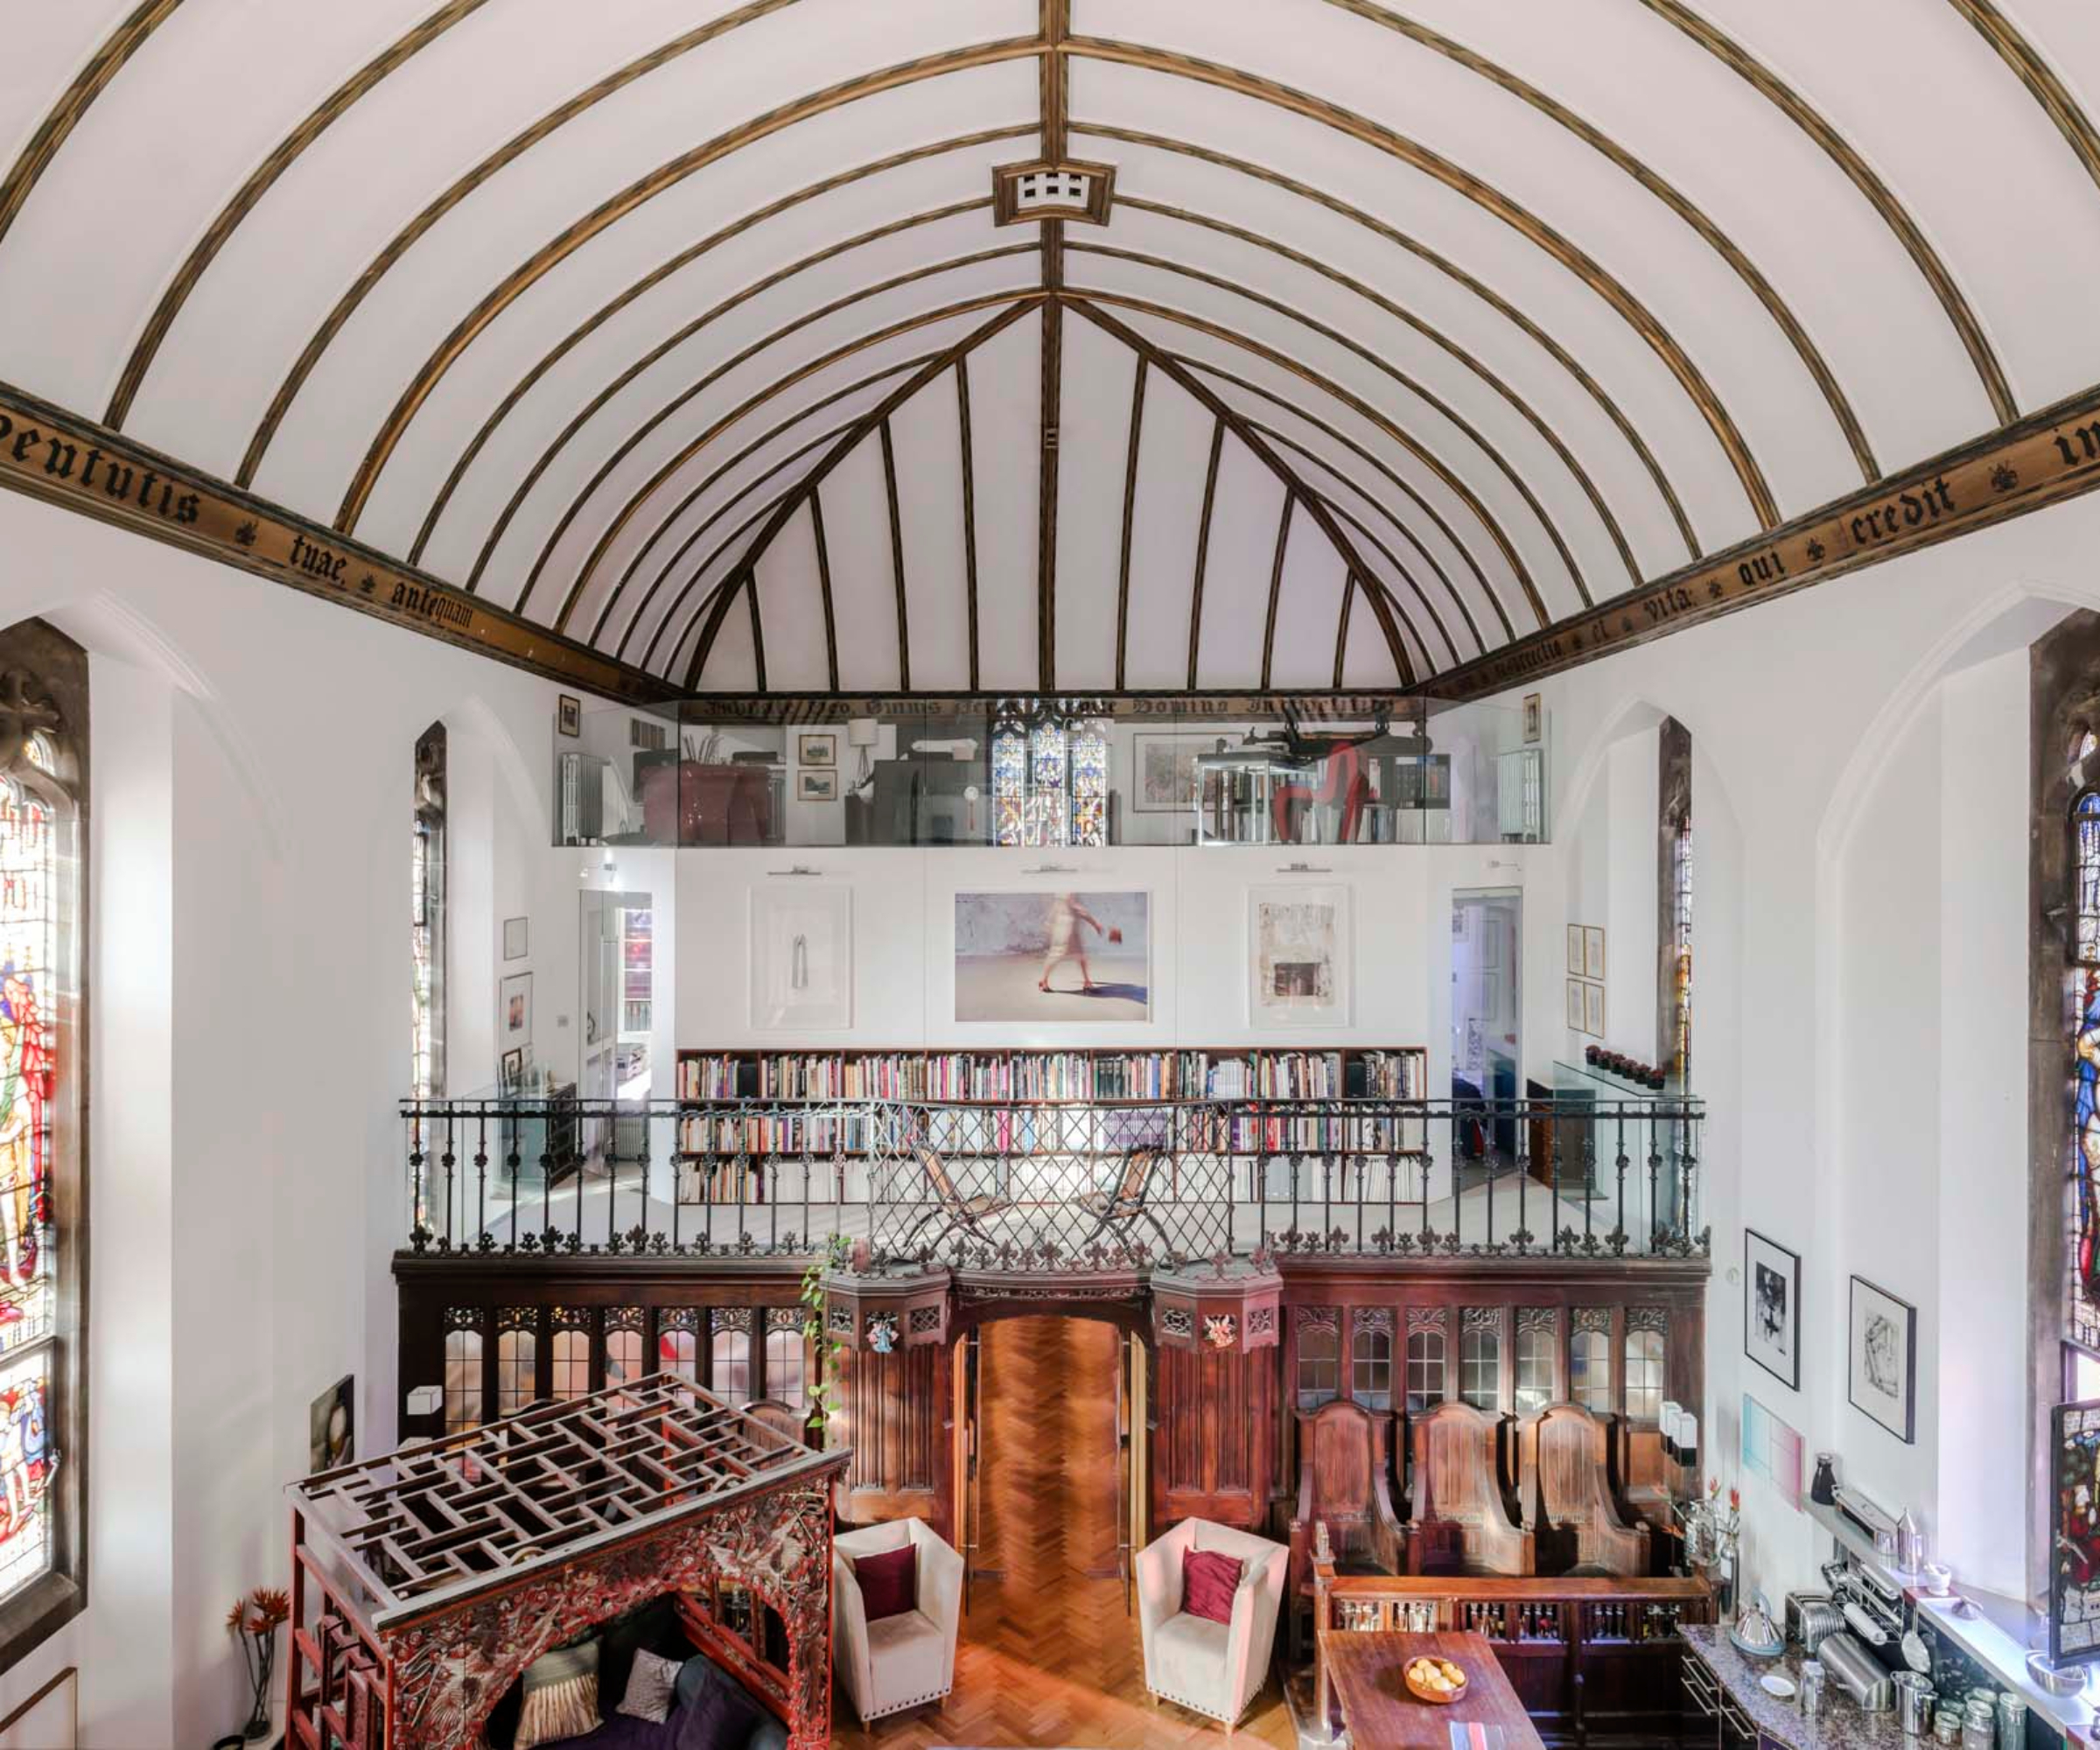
x=254, y=1622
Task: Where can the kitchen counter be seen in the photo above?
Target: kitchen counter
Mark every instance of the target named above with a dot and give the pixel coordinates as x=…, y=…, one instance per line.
x=1841, y=1725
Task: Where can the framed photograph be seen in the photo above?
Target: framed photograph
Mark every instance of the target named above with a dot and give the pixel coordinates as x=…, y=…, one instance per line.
x=816, y=786
x=568, y=714
x=2075, y=1532
x=1771, y=1306
x=513, y=1012
x=1535, y=716
x=1577, y=1020
x=1054, y=958
x=1593, y=1010
x=1592, y=951
x=1298, y=956
x=1881, y=1369
x=1574, y=951
x=332, y=1426
x=516, y=934
x=814, y=748
x=513, y=1071
x=802, y=957
x=1168, y=780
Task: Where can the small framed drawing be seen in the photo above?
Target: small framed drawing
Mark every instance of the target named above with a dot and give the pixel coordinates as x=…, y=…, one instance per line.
x=816, y=786
x=1298, y=956
x=517, y=932
x=513, y=1071
x=1592, y=951
x=1535, y=716
x=1771, y=1306
x=801, y=957
x=1593, y=1010
x=1167, y=777
x=514, y=1016
x=1881, y=1370
x=1574, y=951
x=814, y=749
x=568, y=714
x=1576, y=1021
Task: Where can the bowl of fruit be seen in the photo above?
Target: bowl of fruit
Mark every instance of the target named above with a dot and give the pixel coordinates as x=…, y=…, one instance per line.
x=1435, y=1680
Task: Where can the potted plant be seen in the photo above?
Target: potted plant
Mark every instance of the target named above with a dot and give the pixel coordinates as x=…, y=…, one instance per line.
x=254, y=1622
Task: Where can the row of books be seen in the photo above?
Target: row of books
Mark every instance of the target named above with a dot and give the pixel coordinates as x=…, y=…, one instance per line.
x=1245, y=1133
x=1053, y=1075
x=815, y=1133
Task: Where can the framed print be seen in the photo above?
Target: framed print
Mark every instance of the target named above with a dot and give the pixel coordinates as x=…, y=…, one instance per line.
x=513, y=1014
x=1593, y=1010
x=512, y=1073
x=812, y=747
x=332, y=1426
x=1575, y=1015
x=1168, y=781
x=816, y=786
x=1772, y=1450
x=1298, y=956
x=569, y=715
x=1881, y=1368
x=1574, y=951
x=802, y=957
x=2075, y=1532
x=1771, y=1306
x=516, y=934
x=1592, y=951
x=1054, y=958
x=1534, y=716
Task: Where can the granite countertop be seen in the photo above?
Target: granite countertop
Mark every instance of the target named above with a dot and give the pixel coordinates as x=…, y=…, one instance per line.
x=1841, y=1725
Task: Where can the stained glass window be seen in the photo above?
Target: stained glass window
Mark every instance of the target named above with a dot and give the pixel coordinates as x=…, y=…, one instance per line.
x=2083, y=1297
x=1050, y=781
x=426, y=918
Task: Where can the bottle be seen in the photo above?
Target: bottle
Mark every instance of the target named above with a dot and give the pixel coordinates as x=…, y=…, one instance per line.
x=1824, y=1489
x=1910, y=1542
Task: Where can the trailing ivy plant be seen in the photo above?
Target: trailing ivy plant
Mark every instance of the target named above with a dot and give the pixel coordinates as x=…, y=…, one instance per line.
x=823, y=1399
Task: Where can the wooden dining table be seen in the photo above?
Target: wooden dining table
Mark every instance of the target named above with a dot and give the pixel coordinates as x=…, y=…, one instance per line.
x=1366, y=1672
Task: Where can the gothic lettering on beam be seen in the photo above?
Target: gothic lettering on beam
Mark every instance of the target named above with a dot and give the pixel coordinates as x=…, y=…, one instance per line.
x=73, y=462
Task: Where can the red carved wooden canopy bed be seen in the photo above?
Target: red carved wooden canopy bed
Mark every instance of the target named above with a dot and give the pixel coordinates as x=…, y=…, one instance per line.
x=425, y=1582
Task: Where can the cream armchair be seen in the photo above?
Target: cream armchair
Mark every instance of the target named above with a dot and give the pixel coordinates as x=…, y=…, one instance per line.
x=1209, y=1667
x=902, y=1660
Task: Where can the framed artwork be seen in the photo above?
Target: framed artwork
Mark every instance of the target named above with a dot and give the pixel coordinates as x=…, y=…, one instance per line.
x=1593, y=1010
x=1881, y=1369
x=1054, y=958
x=1575, y=950
x=516, y=934
x=1535, y=716
x=2075, y=1532
x=1771, y=1306
x=1298, y=956
x=1772, y=1450
x=513, y=1014
x=1592, y=951
x=332, y=1426
x=1168, y=780
x=1576, y=1020
x=569, y=714
x=816, y=786
x=812, y=748
x=513, y=1071
x=802, y=957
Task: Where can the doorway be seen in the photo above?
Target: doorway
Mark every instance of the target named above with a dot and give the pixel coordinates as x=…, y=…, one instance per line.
x=618, y=982
x=1487, y=951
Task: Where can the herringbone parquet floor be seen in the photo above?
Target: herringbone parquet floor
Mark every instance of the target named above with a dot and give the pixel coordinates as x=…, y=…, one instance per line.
x=1047, y=1656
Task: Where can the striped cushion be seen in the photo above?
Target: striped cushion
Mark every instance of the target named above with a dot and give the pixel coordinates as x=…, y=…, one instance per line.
x=561, y=1697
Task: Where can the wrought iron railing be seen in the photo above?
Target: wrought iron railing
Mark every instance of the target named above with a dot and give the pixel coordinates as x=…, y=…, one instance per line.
x=1055, y=1187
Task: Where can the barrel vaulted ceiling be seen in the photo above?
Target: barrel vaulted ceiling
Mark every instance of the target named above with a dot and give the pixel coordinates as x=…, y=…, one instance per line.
x=692, y=331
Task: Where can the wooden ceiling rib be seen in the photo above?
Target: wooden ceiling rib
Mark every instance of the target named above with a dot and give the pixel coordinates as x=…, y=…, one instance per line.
x=1451, y=387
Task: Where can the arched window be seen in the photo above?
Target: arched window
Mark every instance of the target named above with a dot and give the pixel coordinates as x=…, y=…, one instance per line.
x=1480, y=1367
x=426, y=926
x=43, y=1170
x=462, y=1380
x=1590, y=1370
x=1424, y=1371
x=731, y=1356
x=517, y=1369
x=1371, y=1366
x=1050, y=779
x=571, y=1353
x=1536, y=1341
x=1318, y=1362
x=784, y=1366
x=1644, y=1375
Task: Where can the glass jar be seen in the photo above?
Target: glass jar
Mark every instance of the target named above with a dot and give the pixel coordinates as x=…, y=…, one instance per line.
x=1947, y=1727
x=1979, y=1723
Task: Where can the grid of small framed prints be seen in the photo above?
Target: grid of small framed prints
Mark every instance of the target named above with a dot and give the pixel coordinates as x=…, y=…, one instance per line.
x=1586, y=979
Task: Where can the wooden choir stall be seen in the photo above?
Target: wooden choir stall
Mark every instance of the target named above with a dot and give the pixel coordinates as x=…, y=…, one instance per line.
x=425, y=1582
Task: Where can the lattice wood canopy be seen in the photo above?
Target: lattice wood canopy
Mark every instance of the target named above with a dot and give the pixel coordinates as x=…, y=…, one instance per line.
x=681, y=343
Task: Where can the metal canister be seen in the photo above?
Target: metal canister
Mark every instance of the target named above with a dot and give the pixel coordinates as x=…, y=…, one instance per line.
x=2012, y=1721
x=1914, y=1699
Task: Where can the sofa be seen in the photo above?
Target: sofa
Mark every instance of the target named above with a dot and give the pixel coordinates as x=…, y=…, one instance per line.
x=1214, y=1669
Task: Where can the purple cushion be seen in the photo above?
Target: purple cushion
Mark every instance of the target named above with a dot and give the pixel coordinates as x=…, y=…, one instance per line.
x=1209, y=1581
x=723, y=1717
x=624, y=1731
x=889, y=1582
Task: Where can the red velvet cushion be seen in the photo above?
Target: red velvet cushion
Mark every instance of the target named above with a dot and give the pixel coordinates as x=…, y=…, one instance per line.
x=889, y=1583
x=1209, y=1581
